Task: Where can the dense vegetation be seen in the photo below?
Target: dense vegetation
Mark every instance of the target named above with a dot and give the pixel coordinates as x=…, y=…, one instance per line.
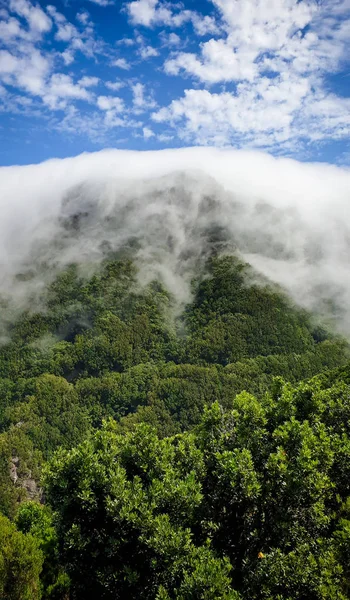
x=148, y=452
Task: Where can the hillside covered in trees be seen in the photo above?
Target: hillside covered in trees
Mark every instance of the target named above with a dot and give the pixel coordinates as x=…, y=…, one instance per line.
x=152, y=451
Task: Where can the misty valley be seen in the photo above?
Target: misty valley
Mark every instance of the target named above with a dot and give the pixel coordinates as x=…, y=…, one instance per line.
x=174, y=393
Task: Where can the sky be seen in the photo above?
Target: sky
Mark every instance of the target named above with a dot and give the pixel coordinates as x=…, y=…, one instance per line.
x=78, y=76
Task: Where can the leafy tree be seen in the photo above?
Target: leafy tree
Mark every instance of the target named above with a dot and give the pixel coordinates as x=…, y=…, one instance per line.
x=256, y=488
x=131, y=528
x=226, y=471
x=20, y=564
x=37, y=520
x=52, y=416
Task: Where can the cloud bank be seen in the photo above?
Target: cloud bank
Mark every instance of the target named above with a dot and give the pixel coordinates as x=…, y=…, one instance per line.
x=289, y=220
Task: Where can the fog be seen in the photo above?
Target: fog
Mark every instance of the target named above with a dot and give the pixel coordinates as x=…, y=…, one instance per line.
x=290, y=220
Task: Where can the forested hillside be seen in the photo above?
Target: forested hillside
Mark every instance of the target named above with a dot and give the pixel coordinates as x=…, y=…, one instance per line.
x=156, y=451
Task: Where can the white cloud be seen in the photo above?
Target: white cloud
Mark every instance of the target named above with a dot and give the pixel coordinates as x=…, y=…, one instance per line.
x=274, y=113
x=83, y=17
x=261, y=21
x=163, y=137
x=27, y=70
x=61, y=88
x=253, y=28
x=148, y=52
x=304, y=209
x=102, y=2
x=10, y=30
x=149, y=13
x=204, y=24
x=81, y=39
x=88, y=81
x=268, y=59
x=66, y=32
x=121, y=63
x=8, y=63
x=219, y=62
x=68, y=57
x=116, y=114
x=37, y=19
x=31, y=72
x=110, y=103
x=142, y=12
x=57, y=16
x=126, y=42
x=170, y=39
x=93, y=125
x=147, y=133
x=144, y=50
x=114, y=85
x=26, y=66
x=138, y=91
x=275, y=67
x=141, y=101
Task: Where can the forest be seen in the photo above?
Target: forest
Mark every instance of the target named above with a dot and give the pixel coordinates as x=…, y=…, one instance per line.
x=154, y=452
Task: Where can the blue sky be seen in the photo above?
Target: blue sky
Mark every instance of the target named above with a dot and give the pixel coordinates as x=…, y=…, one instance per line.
x=78, y=76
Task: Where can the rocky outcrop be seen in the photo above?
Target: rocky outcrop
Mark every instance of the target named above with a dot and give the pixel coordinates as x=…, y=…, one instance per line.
x=24, y=480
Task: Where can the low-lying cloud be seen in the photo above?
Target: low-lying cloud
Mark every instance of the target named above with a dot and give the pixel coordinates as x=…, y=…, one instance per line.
x=290, y=220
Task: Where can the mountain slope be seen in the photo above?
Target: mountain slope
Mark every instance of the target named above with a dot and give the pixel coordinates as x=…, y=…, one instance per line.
x=135, y=512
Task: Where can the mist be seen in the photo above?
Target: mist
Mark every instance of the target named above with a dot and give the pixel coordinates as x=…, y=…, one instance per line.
x=289, y=220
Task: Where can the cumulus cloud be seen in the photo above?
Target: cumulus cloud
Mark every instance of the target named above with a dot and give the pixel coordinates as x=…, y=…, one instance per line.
x=61, y=87
x=110, y=102
x=113, y=108
x=37, y=19
x=83, y=17
x=262, y=116
x=147, y=133
x=145, y=51
x=148, y=52
x=27, y=67
x=121, y=63
x=102, y=2
x=88, y=81
x=275, y=55
x=170, y=39
x=141, y=100
x=79, y=38
x=114, y=85
x=149, y=13
x=26, y=71
x=265, y=74
x=145, y=12
x=288, y=219
x=113, y=112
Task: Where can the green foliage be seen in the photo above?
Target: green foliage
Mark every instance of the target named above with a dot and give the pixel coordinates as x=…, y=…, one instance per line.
x=222, y=469
x=37, y=520
x=108, y=323
x=20, y=564
x=52, y=415
x=126, y=510
x=309, y=571
x=255, y=488
x=231, y=319
x=20, y=465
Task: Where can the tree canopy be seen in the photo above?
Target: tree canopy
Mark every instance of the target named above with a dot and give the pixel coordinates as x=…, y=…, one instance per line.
x=156, y=453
